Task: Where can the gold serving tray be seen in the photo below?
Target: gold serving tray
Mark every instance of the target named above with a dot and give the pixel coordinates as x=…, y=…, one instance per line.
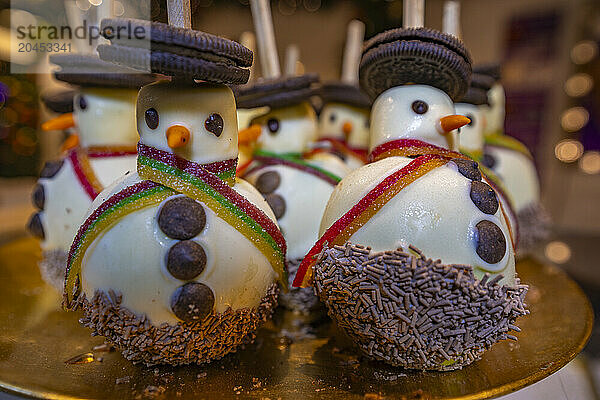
x=293, y=358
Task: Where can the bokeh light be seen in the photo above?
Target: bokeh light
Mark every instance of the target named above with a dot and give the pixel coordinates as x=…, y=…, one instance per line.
x=568, y=150
x=590, y=162
x=558, y=252
x=83, y=5
x=95, y=2
x=584, y=52
x=579, y=85
x=574, y=119
x=119, y=8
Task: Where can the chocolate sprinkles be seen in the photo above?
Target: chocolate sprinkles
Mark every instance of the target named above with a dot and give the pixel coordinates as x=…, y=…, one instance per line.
x=199, y=342
x=410, y=311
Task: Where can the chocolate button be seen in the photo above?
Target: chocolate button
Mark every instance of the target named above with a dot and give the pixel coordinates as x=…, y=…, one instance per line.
x=35, y=226
x=38, y=197
x=277, y=204
x=488, y=160
x=491, y=244
x=181, y=218
x=484, y=197
x=186, y=260
x=192, y=301
x=268, y=182
x=51, y=168
x=468, y=168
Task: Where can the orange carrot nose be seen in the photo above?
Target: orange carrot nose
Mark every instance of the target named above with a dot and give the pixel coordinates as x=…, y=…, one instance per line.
x=452, y=122
x=250, y=134
x=347, y=128
x=59, y=123
x=177, y=136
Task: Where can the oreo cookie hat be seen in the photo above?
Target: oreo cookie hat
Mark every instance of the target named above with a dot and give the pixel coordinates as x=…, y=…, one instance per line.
x=340, y=92
x=493, y=70
x=177, y=52
x=477, y=92
x=415, y=55
x=90, y=71
x=58, y=101
x=277, y=93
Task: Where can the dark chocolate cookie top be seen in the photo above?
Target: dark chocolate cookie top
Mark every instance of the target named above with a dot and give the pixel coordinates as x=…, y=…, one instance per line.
x=58, y=101
x=173, y=51
x=339, y=92
x=277, y=93
x=418, y=56
x=89, y=70
x=493, y=70
x=477, y=93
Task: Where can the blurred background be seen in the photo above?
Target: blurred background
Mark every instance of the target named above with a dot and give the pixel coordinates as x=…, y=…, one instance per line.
x=549, y=50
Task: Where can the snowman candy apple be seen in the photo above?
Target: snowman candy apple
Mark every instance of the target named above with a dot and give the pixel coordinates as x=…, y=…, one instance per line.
x=103, y=113
x=344, y=118
x=177, y=263
x=416, y=199
x=296, y=186
x=513, y=163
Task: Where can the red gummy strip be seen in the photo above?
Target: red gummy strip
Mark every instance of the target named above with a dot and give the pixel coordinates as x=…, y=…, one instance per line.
x=84, y=180
x=341, y=224
x=359, y=152
x=403, y=143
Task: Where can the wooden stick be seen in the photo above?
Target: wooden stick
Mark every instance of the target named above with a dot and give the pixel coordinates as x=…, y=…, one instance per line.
x=414, y=13
x=263, y=26
x=451, y=19
x=292, y=56
x=179, y=13
x=247, y=39
x=353, y=51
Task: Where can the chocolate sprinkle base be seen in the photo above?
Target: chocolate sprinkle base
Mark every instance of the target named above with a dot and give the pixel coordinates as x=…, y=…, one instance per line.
x=534, y=227
x=410, y=311
x=200, y=342
x=302, y=300
x=52, y=268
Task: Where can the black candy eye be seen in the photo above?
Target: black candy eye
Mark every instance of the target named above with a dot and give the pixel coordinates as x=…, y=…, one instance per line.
x=273, y=125
x=151, y=116
x=82, y=103
x=472, y=120
x=332, y=118
x=214, y=124
x=420, y=107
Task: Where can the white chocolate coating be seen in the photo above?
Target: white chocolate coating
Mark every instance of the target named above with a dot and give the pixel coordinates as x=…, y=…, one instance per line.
x=434, y=213
x=392, y=116
x=470, y=136
x=335, y=115
x=130, y=257
x=182, y=105
x=246, y=115
x=495, y=113
x=518, y=174
x=331, y=123
x=108, y=118
x=305, y=196
x=297, y=128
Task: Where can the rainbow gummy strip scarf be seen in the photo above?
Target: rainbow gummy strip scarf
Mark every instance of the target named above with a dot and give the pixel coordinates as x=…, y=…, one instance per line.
x=168, y=175
x=428, y=157
x=508, y=142
x=83, y=170
x=265, y=159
